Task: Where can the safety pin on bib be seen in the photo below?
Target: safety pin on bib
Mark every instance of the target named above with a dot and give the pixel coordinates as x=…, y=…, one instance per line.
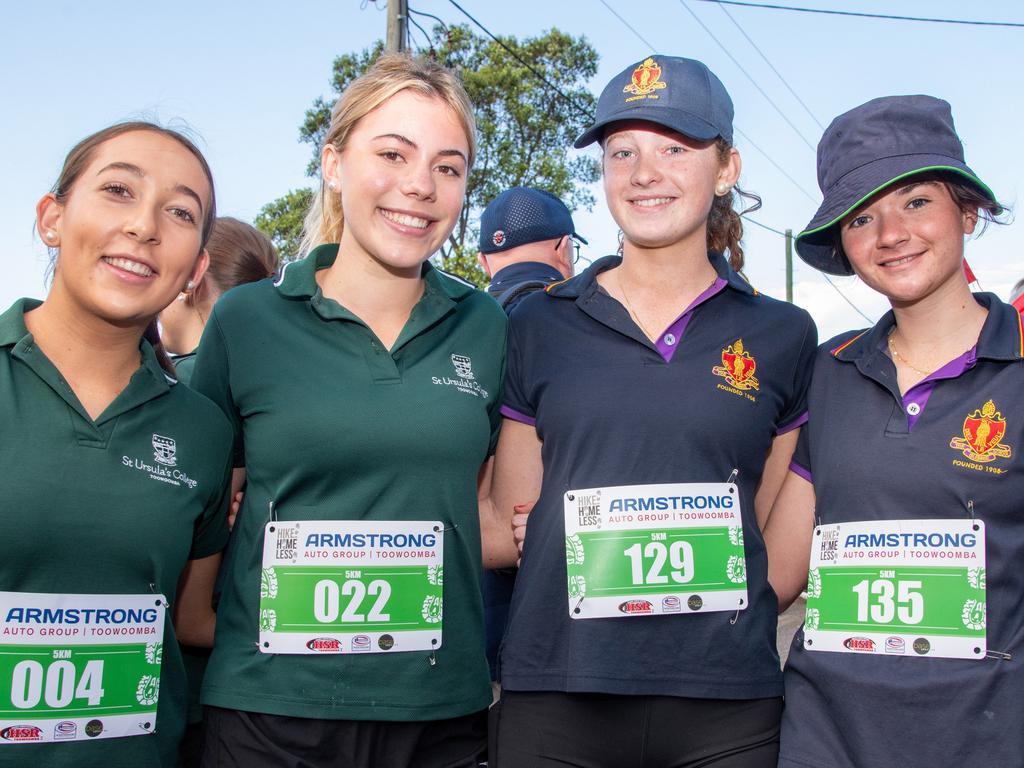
x=732, y=476
x=164, y=603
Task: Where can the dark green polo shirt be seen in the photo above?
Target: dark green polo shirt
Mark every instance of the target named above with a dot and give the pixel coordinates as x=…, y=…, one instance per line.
x=330, y=425
x=79, y=516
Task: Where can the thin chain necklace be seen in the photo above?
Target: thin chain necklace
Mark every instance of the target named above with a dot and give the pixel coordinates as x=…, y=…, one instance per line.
x=629, y=304
x=902, y=359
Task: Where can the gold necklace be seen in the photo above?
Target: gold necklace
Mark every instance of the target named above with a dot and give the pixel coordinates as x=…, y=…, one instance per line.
x=629, y=304
x=902, y=359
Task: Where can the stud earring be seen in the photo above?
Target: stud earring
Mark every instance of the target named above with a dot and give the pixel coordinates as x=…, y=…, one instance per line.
x=722, y=189
x=51, y=235
x=189, y=286
x=332, y=185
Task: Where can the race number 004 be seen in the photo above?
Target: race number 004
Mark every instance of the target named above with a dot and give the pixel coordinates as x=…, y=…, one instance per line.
x=31, y=684
x=679, y=556
x=327, y=600
x=902, y=600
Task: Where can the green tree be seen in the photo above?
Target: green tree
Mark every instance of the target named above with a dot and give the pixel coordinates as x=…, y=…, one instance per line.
x=525, y=128
x=282, y=220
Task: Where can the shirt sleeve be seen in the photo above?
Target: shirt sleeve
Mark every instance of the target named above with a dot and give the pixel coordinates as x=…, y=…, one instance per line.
x=794, y=413
x=212, y=377
x=210, y=535
x=517, y=403
x=800, y=463
x=494, y=407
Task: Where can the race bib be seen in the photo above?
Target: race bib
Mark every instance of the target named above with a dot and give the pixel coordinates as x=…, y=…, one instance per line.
x=79, y=667
x=640, y=550
x=903, y=587
x=351, y=587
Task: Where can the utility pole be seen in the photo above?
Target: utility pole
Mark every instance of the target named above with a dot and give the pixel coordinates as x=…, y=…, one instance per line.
x=398, y=25
x=789, y=265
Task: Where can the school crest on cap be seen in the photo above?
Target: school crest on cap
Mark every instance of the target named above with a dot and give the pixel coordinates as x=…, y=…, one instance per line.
x=983, y=433
x=646, y=79
x=738, y=367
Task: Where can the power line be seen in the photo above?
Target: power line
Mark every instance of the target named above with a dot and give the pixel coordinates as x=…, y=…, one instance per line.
x=773, y=7
x=651, y=48
x=778, y=167
x=768, y=157
x=856, y=309
x=772, y=66
x=763, y=226
x=583, y=110
x=429, y=16
x=775, y=106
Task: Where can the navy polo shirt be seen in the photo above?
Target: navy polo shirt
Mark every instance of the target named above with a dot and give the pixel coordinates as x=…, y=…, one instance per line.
x=876, y=455
x=613, y=408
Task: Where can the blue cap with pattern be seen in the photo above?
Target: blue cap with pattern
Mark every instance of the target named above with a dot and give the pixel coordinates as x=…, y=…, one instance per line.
x=522, y=215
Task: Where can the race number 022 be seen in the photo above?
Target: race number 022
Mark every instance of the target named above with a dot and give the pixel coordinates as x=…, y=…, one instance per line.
x=327, y=600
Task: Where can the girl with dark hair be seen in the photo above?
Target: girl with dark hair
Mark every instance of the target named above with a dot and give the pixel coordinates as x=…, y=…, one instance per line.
x=901, y=513
x=116, y=476
x=239, y=254
x=652, y=404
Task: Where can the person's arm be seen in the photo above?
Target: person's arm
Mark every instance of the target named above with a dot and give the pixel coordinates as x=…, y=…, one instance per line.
x=194, y=617
x=237, y=494
x=787, y=537
x=515, y=480
x=776, y=467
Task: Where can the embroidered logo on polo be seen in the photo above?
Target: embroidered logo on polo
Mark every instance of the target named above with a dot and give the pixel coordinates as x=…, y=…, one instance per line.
x=982, y=440
x=645, y=80
x=165, y=460
x=464, y=380
x=737, y=368
x=164, y=449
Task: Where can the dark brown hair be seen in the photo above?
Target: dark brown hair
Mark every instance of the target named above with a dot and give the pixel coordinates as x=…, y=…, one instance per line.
x=79, y=158
x=239, y=253
x=725, y=228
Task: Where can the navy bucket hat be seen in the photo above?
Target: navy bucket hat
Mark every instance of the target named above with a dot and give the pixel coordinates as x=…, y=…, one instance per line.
x=869, y=148
x=680, y=94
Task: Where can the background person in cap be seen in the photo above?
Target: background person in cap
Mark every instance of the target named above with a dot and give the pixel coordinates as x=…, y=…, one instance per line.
x=525, y=246
x=641, y=371
x=525, y=243
x=916, y=419
x=364, y=390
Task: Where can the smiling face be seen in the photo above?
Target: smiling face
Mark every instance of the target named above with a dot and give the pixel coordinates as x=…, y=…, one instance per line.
x=660, y=184
x=402, y=181
x=908, y=241
x=129, y=231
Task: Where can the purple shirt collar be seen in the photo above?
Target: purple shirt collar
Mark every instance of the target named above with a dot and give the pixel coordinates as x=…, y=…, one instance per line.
x=669, y=339
x=916, y=398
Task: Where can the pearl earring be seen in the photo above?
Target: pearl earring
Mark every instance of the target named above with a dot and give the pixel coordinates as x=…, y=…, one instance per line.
x=332, y=185
x=722, y=189
x=189, y=286
x=51, y=235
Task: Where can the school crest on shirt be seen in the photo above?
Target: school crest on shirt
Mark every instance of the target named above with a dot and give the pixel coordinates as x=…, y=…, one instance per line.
x=644, y=81
x=463, y=380
x=737, y=368
x=164, y=466
x=983, y=433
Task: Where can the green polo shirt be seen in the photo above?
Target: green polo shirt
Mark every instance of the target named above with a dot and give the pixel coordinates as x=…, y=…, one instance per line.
x=330, y=425
x=88, y=509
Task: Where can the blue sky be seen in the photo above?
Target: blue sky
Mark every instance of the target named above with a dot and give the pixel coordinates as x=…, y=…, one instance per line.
x=243, y=74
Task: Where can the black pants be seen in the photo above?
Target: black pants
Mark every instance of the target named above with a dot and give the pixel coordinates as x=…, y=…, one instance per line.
x=588, y=730
x=237, y=739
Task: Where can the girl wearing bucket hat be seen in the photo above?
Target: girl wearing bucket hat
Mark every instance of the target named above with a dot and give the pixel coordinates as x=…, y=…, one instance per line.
x=652, y=404
x=909, y=466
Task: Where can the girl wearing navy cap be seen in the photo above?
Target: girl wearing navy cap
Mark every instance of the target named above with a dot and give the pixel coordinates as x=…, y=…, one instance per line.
x=652, y=404
x=909, y=465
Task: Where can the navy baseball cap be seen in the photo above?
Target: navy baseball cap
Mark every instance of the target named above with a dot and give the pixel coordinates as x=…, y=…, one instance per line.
x=681, y=94
x=869, y=148
x=522, y=215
